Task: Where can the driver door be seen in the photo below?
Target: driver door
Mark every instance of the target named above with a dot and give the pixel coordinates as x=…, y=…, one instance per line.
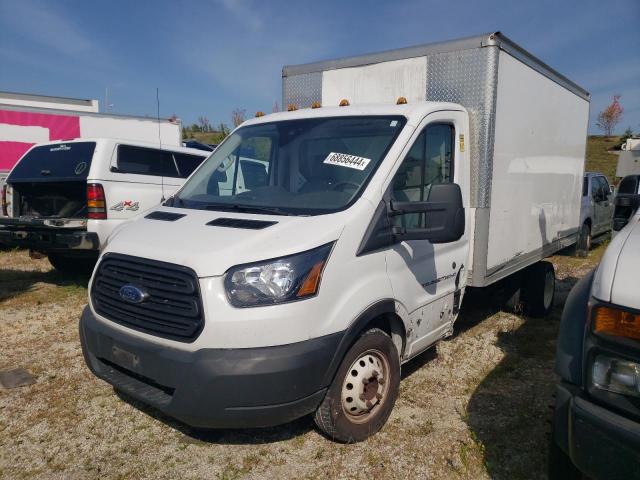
x=426, y=277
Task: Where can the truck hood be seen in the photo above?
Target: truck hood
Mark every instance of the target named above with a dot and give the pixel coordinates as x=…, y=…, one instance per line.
x=617, y=275
x=210, y=250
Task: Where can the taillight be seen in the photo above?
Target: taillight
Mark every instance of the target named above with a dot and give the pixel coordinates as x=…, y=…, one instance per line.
x=4, y=200
x=96, y=207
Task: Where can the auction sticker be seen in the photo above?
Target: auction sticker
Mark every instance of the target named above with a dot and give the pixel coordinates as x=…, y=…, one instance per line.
x=346, y=160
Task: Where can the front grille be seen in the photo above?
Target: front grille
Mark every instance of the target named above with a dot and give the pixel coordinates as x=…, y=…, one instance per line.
x=172, y=307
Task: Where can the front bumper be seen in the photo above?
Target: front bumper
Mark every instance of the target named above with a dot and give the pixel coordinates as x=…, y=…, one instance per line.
x=47, y=239
x=600, y=443
x=252, y=387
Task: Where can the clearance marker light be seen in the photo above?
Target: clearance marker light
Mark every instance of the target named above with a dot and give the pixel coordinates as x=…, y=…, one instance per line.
x=315, y=105
x=401, y=101
x=344, y=103
x=292, y=107
x=259, y=114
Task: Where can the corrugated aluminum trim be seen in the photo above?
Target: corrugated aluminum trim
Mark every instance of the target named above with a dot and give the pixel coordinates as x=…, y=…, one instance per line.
x=302, y=90
x=477, y=41
x=469, y=77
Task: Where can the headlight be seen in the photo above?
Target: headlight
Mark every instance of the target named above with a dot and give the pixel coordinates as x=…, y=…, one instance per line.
x=275, y=281
x=616, y=375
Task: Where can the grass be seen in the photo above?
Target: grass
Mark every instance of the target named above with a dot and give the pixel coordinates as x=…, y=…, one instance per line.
x=598, y=157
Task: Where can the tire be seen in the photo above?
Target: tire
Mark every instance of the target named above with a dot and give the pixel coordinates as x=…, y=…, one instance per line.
x=371, y=370
x=73, y=265
x=560, y=466
x=584, y=241
x=538, y=289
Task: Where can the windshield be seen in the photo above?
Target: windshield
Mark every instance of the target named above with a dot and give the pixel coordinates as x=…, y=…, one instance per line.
x=293, y=167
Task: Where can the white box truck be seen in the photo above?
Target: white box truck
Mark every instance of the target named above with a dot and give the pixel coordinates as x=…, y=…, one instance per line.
x=350, y=252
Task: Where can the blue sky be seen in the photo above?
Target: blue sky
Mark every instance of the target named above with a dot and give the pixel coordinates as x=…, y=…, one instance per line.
x=209, y=57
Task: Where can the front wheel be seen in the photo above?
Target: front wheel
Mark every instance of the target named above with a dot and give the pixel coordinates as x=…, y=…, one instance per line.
x=584, y=241
x=364, y=390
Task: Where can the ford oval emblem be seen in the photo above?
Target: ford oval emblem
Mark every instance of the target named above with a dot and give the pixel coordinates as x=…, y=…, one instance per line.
x=132, y=294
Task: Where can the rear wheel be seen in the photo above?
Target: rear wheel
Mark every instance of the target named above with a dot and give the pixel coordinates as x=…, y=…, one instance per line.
x=364, y=390
x=72, y=264
x=538, y=289
x=584, y=241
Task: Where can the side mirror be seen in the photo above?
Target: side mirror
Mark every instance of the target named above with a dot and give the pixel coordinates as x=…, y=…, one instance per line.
x=443, y=213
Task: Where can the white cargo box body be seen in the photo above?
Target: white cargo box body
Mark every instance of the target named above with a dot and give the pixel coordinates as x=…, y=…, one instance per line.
x=528, y=130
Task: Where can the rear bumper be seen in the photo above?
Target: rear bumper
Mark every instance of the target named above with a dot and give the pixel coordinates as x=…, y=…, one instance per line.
x=47, y=239
x=207, y=388
x=600, y=443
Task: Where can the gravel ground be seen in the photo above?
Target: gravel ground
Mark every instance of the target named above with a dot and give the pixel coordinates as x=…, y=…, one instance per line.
x=475, y=406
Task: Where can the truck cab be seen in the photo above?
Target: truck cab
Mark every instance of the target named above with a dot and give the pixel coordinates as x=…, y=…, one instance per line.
x=596, y=424
x=596, y=212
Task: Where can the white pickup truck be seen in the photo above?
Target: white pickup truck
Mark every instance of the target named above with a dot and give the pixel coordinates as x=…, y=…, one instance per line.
x=305, y=292
x=596, y=426
x=63, y=198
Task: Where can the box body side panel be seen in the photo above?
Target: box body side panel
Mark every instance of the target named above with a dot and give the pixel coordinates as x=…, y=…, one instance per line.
x=378, y=83
x=538, y=165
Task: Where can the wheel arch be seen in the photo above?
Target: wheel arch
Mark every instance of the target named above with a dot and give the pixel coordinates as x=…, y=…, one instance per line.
x=382, y=315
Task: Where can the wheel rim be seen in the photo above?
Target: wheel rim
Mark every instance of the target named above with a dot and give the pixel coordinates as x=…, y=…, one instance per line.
x=365, y=386
x=549, y=287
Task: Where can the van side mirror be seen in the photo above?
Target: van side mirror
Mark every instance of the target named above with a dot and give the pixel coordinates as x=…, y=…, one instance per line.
x=443, y=215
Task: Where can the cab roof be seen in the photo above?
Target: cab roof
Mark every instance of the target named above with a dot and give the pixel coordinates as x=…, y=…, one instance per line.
x=414, y=112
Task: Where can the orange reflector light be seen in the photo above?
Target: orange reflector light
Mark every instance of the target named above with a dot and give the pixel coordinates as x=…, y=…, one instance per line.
x=259, y=114
x=344, y=103
x=292, y=107
x=401, y=101
x=619, y=323
x=311, y=283
x=315, y=105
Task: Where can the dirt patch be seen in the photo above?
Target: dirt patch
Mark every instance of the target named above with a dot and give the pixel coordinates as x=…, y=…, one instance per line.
x=475, y=406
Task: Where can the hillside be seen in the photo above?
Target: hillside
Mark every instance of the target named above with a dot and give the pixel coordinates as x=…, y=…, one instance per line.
x=598, y=158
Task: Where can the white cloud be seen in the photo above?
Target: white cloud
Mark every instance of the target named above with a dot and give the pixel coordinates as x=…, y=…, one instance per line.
x=41, y=24
x=244, y=12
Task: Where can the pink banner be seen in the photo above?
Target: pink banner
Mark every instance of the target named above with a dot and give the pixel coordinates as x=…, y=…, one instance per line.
x=20, y=130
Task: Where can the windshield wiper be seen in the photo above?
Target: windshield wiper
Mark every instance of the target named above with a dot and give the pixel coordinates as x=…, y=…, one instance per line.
x=233, y=207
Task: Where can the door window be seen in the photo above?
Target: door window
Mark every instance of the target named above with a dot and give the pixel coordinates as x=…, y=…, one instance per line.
x=604, y=186
x=599, y=188
x=187, y=163
x=595, y=186
x=629, y=184
x=430, y=161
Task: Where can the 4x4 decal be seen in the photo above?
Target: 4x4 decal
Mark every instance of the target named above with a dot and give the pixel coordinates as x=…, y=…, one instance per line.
x=125, y=205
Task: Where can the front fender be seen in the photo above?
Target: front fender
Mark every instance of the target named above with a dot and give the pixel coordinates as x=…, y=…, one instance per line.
x=574, y=320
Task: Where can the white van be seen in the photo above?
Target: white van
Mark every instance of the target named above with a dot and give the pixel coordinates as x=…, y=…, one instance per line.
x=306, y=294
x=64, y=198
